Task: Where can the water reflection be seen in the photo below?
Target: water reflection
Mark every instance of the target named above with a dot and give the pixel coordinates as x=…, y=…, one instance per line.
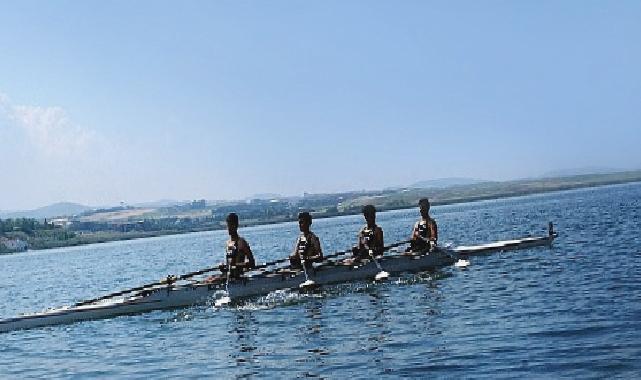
x=379, y=324
x=314, y=339
x=432, y=301
x=245, y=330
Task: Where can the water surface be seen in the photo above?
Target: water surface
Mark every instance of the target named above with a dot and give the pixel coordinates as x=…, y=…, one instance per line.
x=570, y=311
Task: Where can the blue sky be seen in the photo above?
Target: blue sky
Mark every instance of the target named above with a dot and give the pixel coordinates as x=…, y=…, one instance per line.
x=102, y=102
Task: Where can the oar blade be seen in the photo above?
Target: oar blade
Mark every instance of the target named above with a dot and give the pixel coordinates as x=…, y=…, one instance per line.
x=381, y=276
x=308, y=284
x=462, y=263
x=222, y=301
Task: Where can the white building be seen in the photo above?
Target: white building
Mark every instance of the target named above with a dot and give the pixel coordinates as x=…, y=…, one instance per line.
x=60, y=222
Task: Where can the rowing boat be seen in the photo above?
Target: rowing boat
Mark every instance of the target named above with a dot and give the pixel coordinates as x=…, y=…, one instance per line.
x=170, y=295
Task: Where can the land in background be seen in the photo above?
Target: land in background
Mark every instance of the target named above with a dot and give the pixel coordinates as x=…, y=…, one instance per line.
x=130, y=222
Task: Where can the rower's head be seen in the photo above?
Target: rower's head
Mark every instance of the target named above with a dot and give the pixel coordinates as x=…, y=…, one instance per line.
x=232, y=223
x=369, y=212
x=424, y=206
x=304, y=221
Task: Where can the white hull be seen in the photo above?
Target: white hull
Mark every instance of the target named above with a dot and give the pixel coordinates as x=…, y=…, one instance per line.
x=177, y=295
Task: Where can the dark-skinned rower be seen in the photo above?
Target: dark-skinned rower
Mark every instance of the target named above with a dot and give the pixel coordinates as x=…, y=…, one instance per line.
x=238, y=254
x=370, y=237
x=307, y=245
x=425, y=232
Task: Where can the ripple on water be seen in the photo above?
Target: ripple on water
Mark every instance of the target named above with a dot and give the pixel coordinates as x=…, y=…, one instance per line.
x=570, y=311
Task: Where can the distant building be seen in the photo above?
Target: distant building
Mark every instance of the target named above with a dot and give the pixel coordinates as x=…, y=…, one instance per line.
x=60, y=222
x=199, y=204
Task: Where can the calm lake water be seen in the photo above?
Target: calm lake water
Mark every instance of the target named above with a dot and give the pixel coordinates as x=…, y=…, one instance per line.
x=570, y=311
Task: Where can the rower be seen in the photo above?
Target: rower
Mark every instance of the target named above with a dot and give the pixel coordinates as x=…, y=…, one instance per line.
x=425, y=233
x=370, y=236
x=307, y=245
x=238, y=254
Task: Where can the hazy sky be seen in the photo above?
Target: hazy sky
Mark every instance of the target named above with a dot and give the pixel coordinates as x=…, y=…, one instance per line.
x=108, y=101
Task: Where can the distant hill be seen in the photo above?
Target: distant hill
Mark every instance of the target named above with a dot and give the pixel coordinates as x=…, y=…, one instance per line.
x=265, y=196
x=579, y=171
x=160, y=203
x=445, y=182
x=54, y=210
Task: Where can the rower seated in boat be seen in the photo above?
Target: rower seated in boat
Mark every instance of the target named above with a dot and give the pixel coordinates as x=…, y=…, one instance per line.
x=370, y=237
x=307, y=246
x=425, y=232
x=238, y=254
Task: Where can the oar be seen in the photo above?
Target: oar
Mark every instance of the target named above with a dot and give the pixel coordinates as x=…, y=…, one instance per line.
x=381, y=275
x=226, y=299
x=462, y=262
x=341, y=253
x=308, y=283
x=327, y=257
x=169, y=280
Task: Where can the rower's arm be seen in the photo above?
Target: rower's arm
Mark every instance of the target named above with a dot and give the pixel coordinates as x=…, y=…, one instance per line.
x=415, y=234
x=225, y=263
x=433, y=231
x=295, y=250
x=251, y=263
x=379, y=241
x=317, y=248
x=249, y=256
x=359, y=238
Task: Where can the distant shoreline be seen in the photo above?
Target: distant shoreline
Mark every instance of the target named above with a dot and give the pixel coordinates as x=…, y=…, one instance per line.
x=466, y=200
x=112, y=237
